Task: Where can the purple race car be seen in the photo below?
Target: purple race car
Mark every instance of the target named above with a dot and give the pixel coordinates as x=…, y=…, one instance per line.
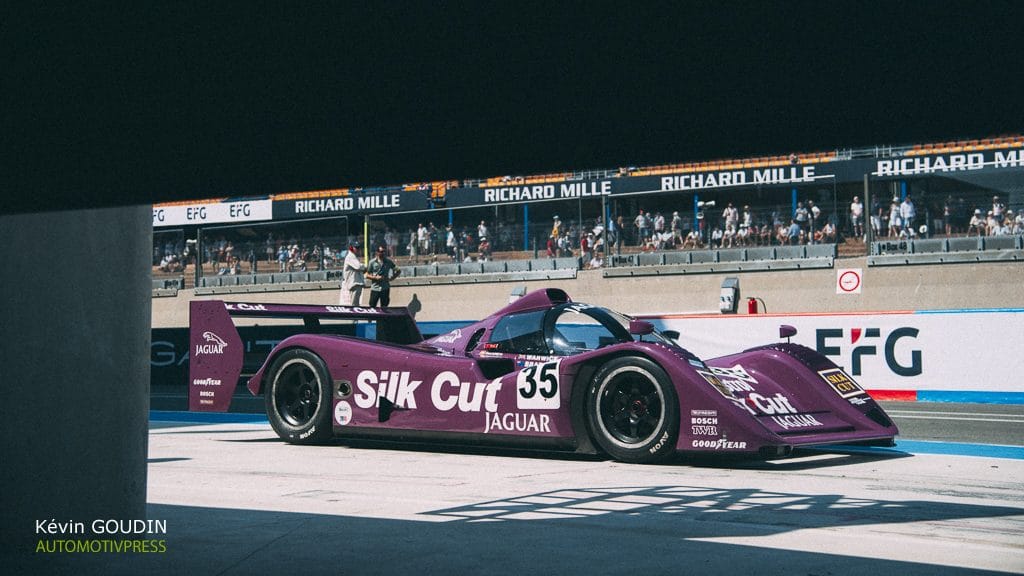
x=543, y=372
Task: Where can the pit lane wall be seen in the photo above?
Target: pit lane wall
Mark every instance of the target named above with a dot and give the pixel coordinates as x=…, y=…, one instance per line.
x=972, y=355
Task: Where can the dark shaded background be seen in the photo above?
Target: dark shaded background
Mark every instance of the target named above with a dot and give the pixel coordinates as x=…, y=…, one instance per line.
x=159, y=103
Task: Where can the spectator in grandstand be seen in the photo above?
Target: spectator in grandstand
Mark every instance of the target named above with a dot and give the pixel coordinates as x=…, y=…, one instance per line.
x=977, y=224
x=857, y=218
x=716, y=237
x=795, y=234
x=451, y=243
x=381, y=271
x=765, y=235
x=599, y=245
x=235, y=267
x=282, y=258
x=352, y=280
x=877, y=215
x=485, y=249
x=434, y=235
x=990, y=224
x=482, y=231
x=659, y=223
x=998, y=209
x=613, y=233
x=894, y=219
x=564, y=248
x=782, y=234
x=595, y=261
x=729, y=235
x=170, y=263
x=814, y=221
x=692, y=240
x=948, y=208
x=587, y=247
x=826, y=235
x=423, y=239
x=801, y=216
x=908, y=214
x=295, y=260
x=556, y=228
x=747, y=218
x=268, y=247
x=731, y=216
x=643, y=227
x=574, y=237
x=1018, y=222
x=676, y=226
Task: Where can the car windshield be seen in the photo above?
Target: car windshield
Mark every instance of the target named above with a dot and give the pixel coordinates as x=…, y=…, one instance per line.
x=578, y=327
x=564, y=330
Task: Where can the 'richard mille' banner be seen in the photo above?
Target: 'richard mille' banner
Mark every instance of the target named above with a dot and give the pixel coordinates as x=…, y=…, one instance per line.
x=616, y=186
x=377, y=202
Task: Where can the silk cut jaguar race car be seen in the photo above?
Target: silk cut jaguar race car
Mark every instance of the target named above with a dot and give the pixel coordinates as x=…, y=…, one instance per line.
x=543, y=372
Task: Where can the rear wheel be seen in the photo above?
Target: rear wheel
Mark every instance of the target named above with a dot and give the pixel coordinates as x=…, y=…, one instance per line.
x=633, y=410
x=298, y=397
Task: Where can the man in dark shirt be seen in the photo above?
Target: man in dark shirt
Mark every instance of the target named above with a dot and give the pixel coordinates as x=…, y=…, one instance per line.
x=381, y=271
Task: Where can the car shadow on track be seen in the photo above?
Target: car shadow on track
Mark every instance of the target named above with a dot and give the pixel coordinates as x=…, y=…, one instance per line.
x=802, y=459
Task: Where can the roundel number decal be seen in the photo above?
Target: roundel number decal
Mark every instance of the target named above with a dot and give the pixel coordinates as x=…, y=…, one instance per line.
x=538, y=387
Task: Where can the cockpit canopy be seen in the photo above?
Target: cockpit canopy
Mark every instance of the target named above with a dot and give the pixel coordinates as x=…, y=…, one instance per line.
x=563, y=330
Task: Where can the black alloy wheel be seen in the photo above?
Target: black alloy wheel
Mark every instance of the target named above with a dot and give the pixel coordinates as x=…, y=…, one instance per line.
x=633, y=410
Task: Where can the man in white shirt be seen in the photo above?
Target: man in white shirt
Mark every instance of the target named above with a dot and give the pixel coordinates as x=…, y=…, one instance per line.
x=352, y=278
x=857, y=217
x=908, y=213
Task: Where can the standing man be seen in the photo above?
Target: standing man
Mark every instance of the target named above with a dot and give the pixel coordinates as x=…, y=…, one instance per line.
x=381, y=271
x=352, y=277
x=857, y=218
x=907, y=215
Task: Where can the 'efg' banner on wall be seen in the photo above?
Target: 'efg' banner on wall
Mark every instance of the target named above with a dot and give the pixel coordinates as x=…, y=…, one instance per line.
x=940, y=355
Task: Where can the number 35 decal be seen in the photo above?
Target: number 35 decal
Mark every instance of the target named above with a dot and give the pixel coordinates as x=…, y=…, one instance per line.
x=538, y=387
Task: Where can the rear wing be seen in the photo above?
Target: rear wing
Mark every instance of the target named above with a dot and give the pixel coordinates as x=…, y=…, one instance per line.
x=217, y=353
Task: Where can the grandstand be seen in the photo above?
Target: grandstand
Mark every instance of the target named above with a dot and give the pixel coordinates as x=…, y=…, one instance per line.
x=297, y=239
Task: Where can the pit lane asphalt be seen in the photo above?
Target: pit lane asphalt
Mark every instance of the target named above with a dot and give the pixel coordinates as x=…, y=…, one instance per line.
x=237, y=500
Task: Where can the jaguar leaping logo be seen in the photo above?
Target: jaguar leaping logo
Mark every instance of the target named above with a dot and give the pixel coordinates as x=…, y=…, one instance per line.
x=211, y=337
x=216, y=344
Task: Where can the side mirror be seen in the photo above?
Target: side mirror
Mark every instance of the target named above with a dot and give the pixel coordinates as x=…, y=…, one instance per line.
x=786, y=331
x=671, y=334
x=640, y=327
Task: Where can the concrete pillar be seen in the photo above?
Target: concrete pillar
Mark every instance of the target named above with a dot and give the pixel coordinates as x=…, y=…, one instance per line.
x=74, y=352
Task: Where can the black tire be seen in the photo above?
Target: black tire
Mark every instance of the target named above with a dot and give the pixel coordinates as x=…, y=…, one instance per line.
x=633, y=410
x=298, y=397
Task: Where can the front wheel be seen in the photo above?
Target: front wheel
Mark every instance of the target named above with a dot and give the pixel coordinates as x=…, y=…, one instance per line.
x=633, y=410
x=298, y=397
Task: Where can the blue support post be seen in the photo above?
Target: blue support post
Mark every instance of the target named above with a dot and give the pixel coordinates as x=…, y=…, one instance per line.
x=526, y=227
x=903, y=190
x=451, y=217
x=792, y=209
x=696, y=209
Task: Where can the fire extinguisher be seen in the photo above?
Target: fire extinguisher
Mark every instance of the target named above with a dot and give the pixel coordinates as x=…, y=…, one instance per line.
x=752, y=306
